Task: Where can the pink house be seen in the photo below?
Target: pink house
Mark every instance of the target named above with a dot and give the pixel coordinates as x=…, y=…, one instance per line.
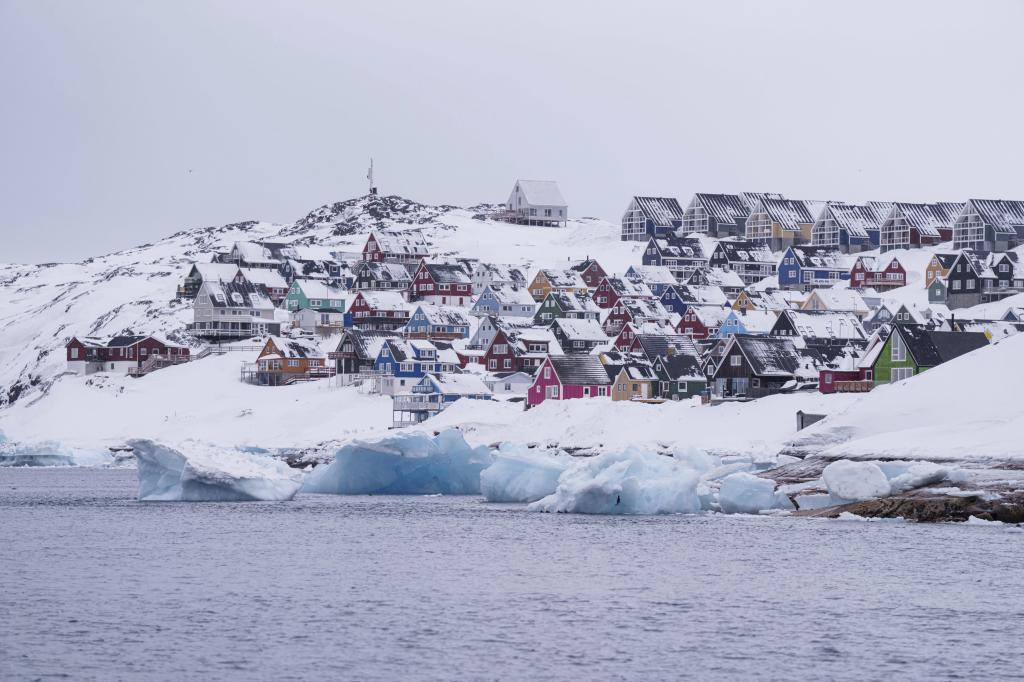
x=564, y=377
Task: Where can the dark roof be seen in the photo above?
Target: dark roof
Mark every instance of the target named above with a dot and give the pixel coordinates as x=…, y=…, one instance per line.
x=680, y=247
x=744, y=251
x=397, y=349
x=662, y=211
x=771, y=356
x=927, y=218
x=857, y=220
x=584, y=264
x=682, y=366
x=447, y=273
x=946, y=260
x=666, y=345
x=579, y=369
x=931, y=348
x=1005, y=217
x=364, y=341
x=126, y=340
x=788, y=213
x=724, y=207
x=828, y=257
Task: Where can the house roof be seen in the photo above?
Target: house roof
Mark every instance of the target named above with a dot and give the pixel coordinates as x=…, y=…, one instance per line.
x=930, y=348
x=627, y=287
x=265, y=276
x=857, y=220
x=251, y=252
x=576, y=329
x=674, y=246
x=574, y=302
x=317, y=289
x=682, y=367
x=821, y=257
x=825, y=324
x=839, y=298
x=541, y=192
x=237, y=295
x=1003, y=216
x=775, y=356
x=743, y=251
x=709, y=315
x=651, y=274
x=124, y=340
x=447, y=273
x=788, y=213
x=724, y=207
x=927, y=219
x=295, y=348
x=509, y=295
x=366, y=343
x=643, y=308
x=702, y=294
x=224, y=272
x=666, y=345
x=385, y=272
x=443, y=315
x=457, y=384
x=662, y=211
x=384, y=300
x=407, y=243
x=755, y=321
x=564, y=279
x=716, y=277
x=578, y=370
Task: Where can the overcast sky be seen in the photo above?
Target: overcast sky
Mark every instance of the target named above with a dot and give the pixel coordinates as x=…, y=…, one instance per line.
x=122, y=122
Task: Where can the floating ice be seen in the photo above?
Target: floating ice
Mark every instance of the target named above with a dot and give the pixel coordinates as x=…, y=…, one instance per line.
x=629, y=482
x=853, y=481
x=520, y=474
x=909, y=475
x=404, y=464
x=745, y=493
x=50, y=454
x=201, y=473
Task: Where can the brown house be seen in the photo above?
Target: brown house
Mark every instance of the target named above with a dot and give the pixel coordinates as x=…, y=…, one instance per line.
x=285, y=361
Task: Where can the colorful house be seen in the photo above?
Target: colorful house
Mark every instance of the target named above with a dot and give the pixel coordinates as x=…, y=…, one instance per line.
x=561, y=304
x=504, y=302
x=433, y=394
x=437, y=323
x=912, y=349
x=569, y=377
x=807, y=267
x=647, y=217
x=881, y=273
x=679, y=376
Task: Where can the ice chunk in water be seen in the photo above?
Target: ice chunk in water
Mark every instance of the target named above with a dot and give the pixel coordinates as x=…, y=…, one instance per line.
x=629, y=482
x=852, y=480
x=50, y=454
x=520, y=474
x=909, y=475
x=744, y=493
x=404, y=464
x=202, y=473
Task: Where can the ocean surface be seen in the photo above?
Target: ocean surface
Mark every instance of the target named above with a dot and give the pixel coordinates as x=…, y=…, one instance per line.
x=97, y=586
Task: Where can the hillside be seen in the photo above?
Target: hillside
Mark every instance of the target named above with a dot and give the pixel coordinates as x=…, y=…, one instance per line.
x=41, y=306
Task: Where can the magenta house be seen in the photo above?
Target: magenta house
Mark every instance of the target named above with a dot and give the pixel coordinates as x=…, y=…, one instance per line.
x=564, y=377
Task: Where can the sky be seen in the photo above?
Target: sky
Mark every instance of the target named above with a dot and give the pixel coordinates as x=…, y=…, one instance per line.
x=123, y=122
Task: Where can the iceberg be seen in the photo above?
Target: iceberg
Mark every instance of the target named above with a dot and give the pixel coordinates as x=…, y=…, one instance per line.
x=404, y=464
x=50, y=454
x=905, y=476
x=520, y=474
x=632, y=481
x=854, y=481
x=209, y=474
x=745, y=493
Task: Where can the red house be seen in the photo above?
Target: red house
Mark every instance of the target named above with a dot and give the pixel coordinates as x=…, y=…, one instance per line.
x=441, y=284
x=878, y=273
x=591, y=272
x=389, y=247
x=610, y=290
x=523, y=349
x=702, y=321
x=378, y=310
x=636, y=311
x=827, y=378
x=128, y=354
x=566, y=377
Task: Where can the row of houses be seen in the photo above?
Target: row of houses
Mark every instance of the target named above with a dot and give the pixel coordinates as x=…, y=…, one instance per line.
x=982, y=225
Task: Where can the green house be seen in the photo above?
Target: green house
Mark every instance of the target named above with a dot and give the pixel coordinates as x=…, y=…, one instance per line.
x=311, y=294
x=562, y=304
x=679, y=377
x=913, y=348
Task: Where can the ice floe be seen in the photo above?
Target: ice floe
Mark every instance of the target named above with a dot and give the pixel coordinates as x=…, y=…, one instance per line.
x=202, y=473
x=404, y=464
x=50, y=453
x=521, y=474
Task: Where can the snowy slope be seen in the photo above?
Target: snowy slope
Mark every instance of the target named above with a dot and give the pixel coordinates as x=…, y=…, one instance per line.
x=966, y=409
x=41, y=306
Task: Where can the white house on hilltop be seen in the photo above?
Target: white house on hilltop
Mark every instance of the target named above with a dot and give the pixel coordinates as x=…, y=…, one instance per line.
x=536, y=202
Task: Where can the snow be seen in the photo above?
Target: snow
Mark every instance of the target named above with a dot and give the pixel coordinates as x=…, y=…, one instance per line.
x=520, y=474
x=196, y=472
x=631, y=481
x=745, y=493
x=854, y=481
x=408, y=463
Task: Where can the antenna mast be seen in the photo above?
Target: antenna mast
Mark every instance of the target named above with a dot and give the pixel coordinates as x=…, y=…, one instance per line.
x=369, y=176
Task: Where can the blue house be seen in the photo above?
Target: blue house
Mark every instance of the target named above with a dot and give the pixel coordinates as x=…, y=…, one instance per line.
x=849, y=227
x=671, y=299
x=752, y=323
x=681, y=255
x=438, y=322
x=504, y=302
x=657, y=277
x=807, y=267
x=433, y=394
x=401, y=364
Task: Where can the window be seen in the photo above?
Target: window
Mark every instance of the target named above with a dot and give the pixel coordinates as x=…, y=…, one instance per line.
x=736, y=361
x=501, y=348
x=547, y=372
x=901, y=373
x=293, y=363
x=492, y=364
x=956, y=285
x=899, y=349
x=755, y=383
x=74, y=353
x=508, y=363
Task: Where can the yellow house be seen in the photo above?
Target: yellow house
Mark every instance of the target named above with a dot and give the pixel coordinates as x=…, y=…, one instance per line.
x=781, y=222
x=546, y=281
x=634, y=380
x=938, y=267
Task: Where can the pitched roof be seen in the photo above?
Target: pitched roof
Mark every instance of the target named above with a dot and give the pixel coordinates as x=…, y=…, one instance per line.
x=265, y=276
x=709, y=315
x=579, y=370
x=1003, y=216
x=743, y=251
x=251, y=252
x=665, y=345
x=825, y=324
x=930, y=348
x=788, y=213
x=442, y=315
x=237, y=295
x=857, y=220
x=457, y=384
x=317, y=289
x=662, y=211
x=682, y=367
x=407, y=243
x=651, y=274
x=822, y=257
x=576, y=329
x=564, y=279
x=541, y=192
x=927, y=219
x=509, y=295
x=574, y=302
x=724, y=207
x=384, y=300
x=447, y=273
x=774, y=356
x=296, y=348
x=385, y=272
x=366, y=343
x=674, y=246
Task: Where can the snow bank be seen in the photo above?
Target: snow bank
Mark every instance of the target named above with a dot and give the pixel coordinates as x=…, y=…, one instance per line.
x=855, y=481
x=520, y=474
x=409, y=463
x=745, y=493
x=201, y=473
x=631, y=481
x=50, y=453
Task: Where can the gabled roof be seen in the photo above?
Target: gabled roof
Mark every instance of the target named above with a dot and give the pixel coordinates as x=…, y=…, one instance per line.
x=857, y=220
x=385, y=272
x=1003, y=216
x=500, y=273
x=743, y=251
x=788, y=213
x=265, y=276
x=223, y=272
x=651, y=274
x=584, y=264
x=821, y=257
x=457, y=384
x=709, y=315
x=366, y=343
x=295, y=348
x=575, y=329
x=407, y=243
x=825, y=324
x=383, y=300
x=125, y=340
x=674, y=246
x=509, y=296
x=702, y=294
x=665, y=345
x=564, y=279
x=317, y=289
x=931, y=348
x=541, y=192
x=626, y=287
x=236, y=295
x=662, y=211
x=579, y=370
x=775, y=356
x=447, y=273
x=839, y=298
x=442, y=315
x=927, y=219
x=251, y=252
x=643, y=308
x=755, y=321
x=728, y=208
x=682, y=367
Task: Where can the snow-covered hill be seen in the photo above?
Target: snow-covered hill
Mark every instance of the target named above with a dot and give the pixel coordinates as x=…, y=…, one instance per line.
x=41, y=306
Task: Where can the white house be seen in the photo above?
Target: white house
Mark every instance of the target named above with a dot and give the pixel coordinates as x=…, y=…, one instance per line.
x=536, y=202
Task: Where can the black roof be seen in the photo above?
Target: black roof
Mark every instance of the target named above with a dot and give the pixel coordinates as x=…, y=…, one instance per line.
x=662, y=211
x=931, y=348
x=745, y=251
x=681, y=366
x=664, y=345
x=124, y=340
x=580, y=369
x=773, y=356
